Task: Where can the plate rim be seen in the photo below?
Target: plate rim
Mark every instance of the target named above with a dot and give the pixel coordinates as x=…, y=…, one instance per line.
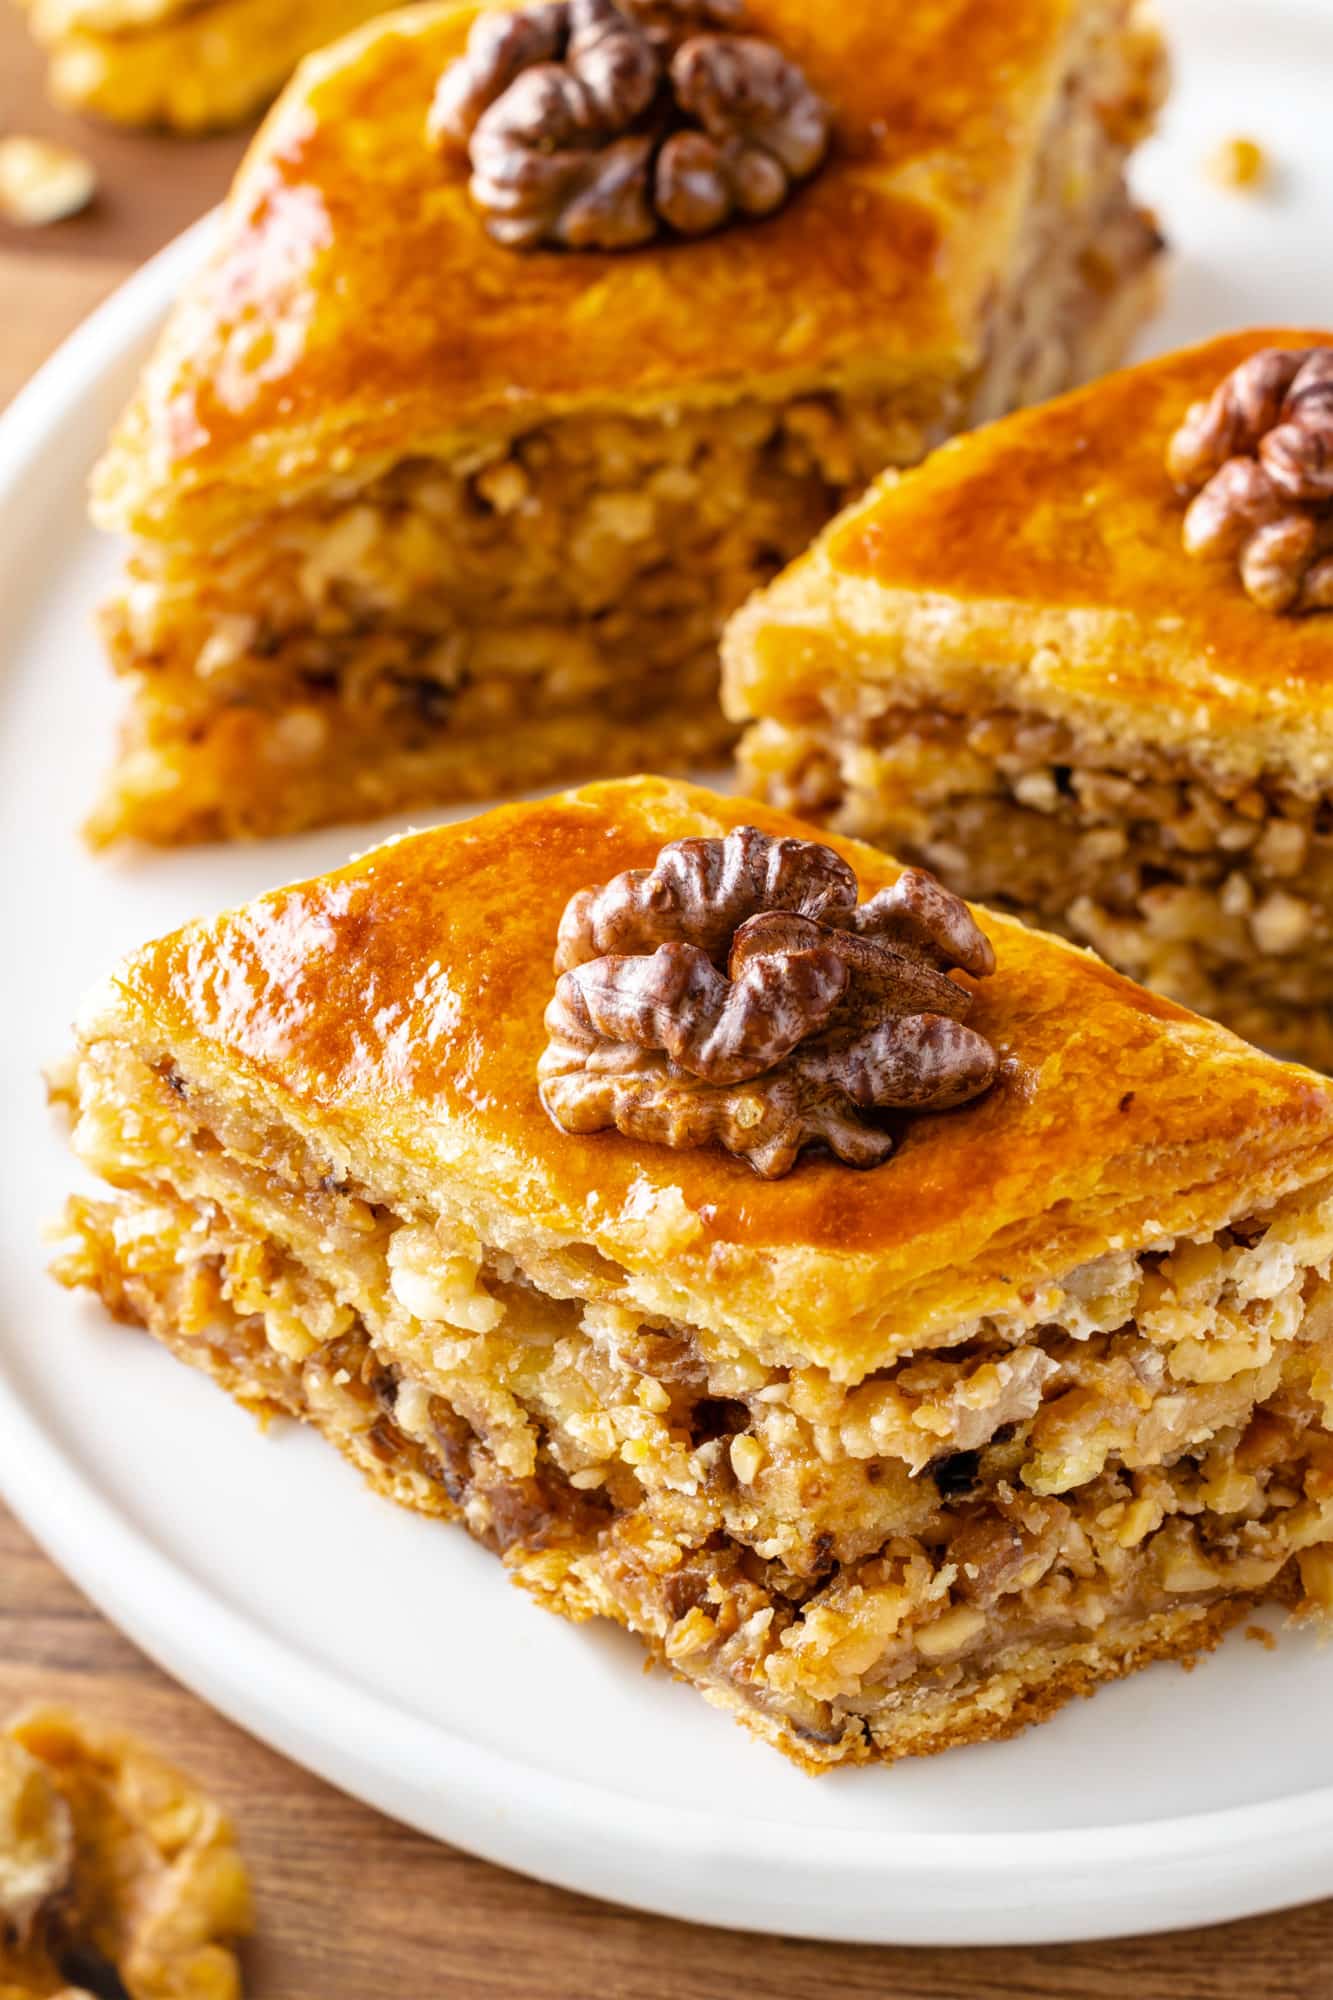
x=1132, y=1877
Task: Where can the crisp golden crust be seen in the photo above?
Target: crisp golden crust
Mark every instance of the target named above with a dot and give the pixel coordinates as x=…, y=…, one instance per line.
x=320, y=335
x=998, y=1712
x=1038, y=564
x=394, y=1009
x=814, y=1608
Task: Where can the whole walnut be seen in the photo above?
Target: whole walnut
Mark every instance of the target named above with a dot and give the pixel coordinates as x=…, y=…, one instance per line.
x=596, y=124
x=738, y=993
x=1258, y=458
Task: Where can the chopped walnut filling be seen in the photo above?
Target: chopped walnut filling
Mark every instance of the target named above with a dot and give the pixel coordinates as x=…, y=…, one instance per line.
x=595, y=124
x=1140, y=1438
x=756, y=1536
x=737, y=992
x=1258, y=458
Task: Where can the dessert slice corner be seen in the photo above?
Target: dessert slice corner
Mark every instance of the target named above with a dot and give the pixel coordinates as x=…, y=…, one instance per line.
x=880, y=1461
x=1036, y=666
x=414, y=517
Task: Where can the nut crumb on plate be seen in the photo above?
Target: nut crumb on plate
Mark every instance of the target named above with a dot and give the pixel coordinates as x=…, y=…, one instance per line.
x=1261, y=1636
x=1239, y=163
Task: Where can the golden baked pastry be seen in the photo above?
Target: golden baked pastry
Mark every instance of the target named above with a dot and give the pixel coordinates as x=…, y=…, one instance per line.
x=1009, y=666
x=417, y=515
x=881, y=1461
x=117, y=1874
x=191, y=65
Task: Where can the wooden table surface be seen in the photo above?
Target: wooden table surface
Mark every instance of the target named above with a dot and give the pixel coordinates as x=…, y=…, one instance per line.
x=352, y=1907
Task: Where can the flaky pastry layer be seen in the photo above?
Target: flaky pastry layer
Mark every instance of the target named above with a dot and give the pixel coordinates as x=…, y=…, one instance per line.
x=545, y=598
x=931, y=1554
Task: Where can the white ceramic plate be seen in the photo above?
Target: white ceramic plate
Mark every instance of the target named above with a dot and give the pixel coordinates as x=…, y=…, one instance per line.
x=391, y=1654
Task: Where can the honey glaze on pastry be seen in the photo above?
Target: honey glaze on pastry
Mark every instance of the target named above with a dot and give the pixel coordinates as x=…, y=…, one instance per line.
x=1079, y=665
x=414, y=517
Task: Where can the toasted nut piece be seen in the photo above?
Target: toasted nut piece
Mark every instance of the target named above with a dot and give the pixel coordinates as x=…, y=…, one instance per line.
x=1274, y=561
x=1245, y=404
x=1238, y=163
x=42, y=182
x=1281, y=923
x=949, y=1634
x=129, y=1867
x=550, y=101
x=747, y=1458
x=826, y=1008
x=1316, y=1566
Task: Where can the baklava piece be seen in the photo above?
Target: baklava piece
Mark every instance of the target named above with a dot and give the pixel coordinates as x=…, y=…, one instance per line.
x=536, y=339
x=895, y=1317
x=119, y=1878
x=190, y=65
x=1081, y=666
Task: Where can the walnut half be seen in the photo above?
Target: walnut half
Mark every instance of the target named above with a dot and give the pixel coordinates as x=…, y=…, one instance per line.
x=117, y=1875
x=1258, y=458
x=597, y=124
x=738, y=993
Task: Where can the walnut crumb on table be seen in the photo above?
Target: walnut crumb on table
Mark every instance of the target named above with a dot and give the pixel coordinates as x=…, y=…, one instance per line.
x=118, y=1876
x=42, y=182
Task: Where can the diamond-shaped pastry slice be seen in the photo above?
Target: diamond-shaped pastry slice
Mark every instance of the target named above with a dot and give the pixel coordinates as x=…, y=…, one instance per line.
x=881, y=1458
x=416, y=514
x=1076, y=665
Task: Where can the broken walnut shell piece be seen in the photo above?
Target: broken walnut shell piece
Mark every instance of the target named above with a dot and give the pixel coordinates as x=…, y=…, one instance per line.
x=597, y=124
x=738, y=993
x=1257, y=457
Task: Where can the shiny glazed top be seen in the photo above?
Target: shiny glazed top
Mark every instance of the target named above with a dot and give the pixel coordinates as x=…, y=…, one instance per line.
x=1069, y=506
x=356, y=308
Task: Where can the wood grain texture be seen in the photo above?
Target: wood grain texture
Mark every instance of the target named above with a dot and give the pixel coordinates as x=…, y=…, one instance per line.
x=352, y=1907
x=149, y=189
